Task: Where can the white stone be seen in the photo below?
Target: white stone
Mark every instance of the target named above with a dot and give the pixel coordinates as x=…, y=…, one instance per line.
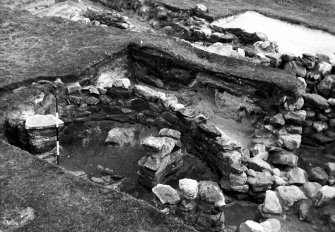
x=189, y=188
x=250, y=226
x=271, y=203
x=325, y=194
x=290, y=194
x=166, y=194
x=297, y=176
x=39, y=121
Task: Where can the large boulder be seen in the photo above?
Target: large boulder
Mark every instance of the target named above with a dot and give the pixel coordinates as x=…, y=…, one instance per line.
x=210, y=192
x=189, y=188
x=166, y=194
x=290, y=194
x=271, y=203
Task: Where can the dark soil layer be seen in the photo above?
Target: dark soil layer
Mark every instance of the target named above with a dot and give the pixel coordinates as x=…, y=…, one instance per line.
x=63, y=202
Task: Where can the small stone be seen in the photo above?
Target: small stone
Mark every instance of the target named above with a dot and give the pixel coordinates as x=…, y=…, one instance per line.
x=312, y=188
x=331, y=101
x=166, y=194
x=201, y=8
x=325, y=194
x=324, y=68
x=290, y=194
x=304, y=210
x=210, y=192
x=271, y=203
x=250, y=226
x=319, y=175
x=210, y=130
x=165, y=132
x=320, y=126
x=284, y=158
x=295, y=68
x=120, y=136
x=297, y=117
x=189, y=188
x=92, y=101
x=146, y=92
x=297, y=176
x=271, y=225
x=330, y=169
x=291, y=141
x=258, y=164
x=277, y=120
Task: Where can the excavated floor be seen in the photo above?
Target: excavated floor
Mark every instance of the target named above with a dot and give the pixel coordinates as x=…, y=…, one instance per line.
x=291, y=38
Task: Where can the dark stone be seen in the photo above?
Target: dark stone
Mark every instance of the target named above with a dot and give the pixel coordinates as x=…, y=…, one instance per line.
x=210, y=130
x=293, y=67
x=120, y=92
x=319, y=175
x=316, y=100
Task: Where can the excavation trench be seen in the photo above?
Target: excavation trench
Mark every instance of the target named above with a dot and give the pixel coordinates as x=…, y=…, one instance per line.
x=219, y=111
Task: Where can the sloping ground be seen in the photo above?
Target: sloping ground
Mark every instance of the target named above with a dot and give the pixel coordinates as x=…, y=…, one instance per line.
x=63, y=202
x=33, y=48
x=318, y=14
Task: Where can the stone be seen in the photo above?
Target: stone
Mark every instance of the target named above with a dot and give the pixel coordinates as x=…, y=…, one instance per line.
x=293, y=105
x=295, y=68
x=304, y=210
x=297, y=176
x=285, y=158
x=161, y=145
x=165, y=132
x=324, y=68
x=210, y=192
x=279, y=181
x=271, y=203
x=258, y=164
x=291, y=141
x=271, y=225
x=120, y=136
x=319, y=175
x=250, y=226
x=92, y=101
x=146, y=92
x=325, y=194
x=17, y=218
x=316, y=100
x=312, y=188
x=260, y=183
x=275, y=59
x=330, y=169
x=40, y=122
x=122, y=83
x=331, y=101
x=290, y=194
x=210, y=130
x=277, y=120
x=259, y=149
x=308, y=60
x=189, y=188
x=73, y=88
x=201, y=8
x=238, y=179
x=297, y=117
x=320, y=126
x=166, y=194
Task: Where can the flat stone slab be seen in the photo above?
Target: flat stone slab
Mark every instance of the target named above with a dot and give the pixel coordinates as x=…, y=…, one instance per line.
x=39, y=122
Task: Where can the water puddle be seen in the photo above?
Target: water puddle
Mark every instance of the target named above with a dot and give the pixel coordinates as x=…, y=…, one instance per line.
x=84, y=149
x=291, y=38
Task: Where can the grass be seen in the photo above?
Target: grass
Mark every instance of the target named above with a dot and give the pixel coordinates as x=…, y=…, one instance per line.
x=63, y=202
